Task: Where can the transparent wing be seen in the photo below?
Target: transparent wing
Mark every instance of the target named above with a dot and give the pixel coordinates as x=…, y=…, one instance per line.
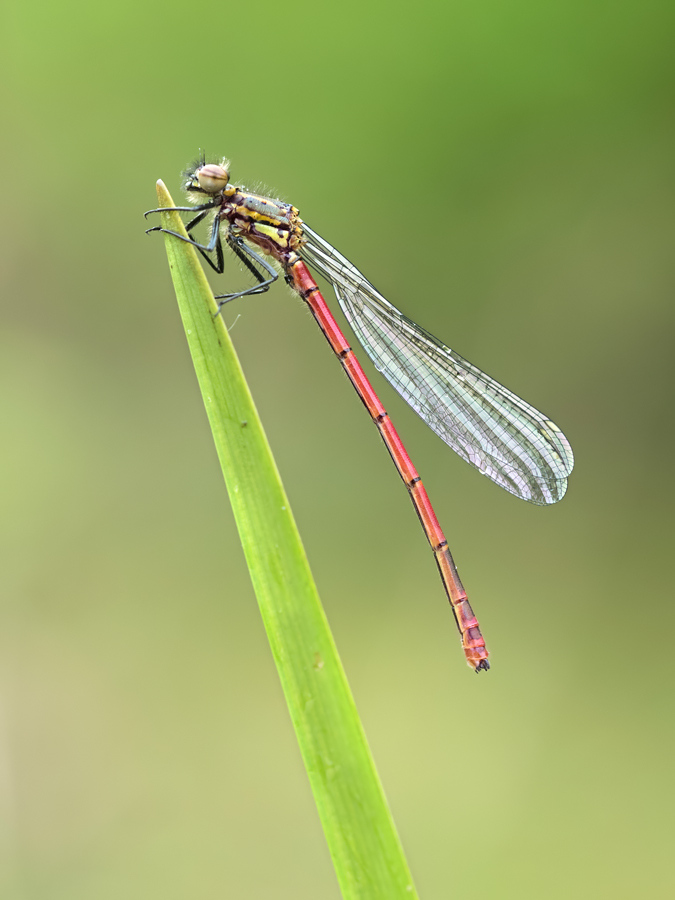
x=495, y=431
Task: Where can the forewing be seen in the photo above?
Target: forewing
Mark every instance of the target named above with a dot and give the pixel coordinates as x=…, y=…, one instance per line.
x=495, y=431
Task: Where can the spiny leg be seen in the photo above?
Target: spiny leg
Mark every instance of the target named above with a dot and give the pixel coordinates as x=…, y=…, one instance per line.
x=219, y=265
x=236, y=244
x=160, y=209
x=242, y=250
x=208, y=248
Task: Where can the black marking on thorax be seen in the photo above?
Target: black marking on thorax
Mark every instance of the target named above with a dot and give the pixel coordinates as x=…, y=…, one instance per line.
x=270, y=224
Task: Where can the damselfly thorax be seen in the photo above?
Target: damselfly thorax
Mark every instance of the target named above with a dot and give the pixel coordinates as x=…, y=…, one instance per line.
x=273, y=226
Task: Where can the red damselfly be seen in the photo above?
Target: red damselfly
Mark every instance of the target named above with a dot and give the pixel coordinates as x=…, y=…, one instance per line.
x=491, y=428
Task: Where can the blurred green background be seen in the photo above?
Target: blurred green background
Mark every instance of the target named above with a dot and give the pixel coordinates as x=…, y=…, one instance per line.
x=503, y=173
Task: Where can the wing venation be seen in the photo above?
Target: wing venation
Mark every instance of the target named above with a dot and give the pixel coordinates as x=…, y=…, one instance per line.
x=490, y=427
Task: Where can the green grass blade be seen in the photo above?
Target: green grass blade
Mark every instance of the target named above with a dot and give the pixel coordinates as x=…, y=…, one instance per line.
x=359, y=829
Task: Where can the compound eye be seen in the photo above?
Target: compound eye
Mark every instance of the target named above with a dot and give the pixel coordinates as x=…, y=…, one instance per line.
x=212, y=178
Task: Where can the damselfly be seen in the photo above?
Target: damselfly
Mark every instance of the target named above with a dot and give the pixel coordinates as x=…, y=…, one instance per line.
x=495, y=431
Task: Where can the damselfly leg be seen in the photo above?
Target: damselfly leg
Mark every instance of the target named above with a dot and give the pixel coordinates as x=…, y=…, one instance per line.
x=214, y=240
x=241, y=250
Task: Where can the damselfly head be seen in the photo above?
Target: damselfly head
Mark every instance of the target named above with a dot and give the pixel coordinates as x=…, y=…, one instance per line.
x=212, y=179
x=207, y=178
